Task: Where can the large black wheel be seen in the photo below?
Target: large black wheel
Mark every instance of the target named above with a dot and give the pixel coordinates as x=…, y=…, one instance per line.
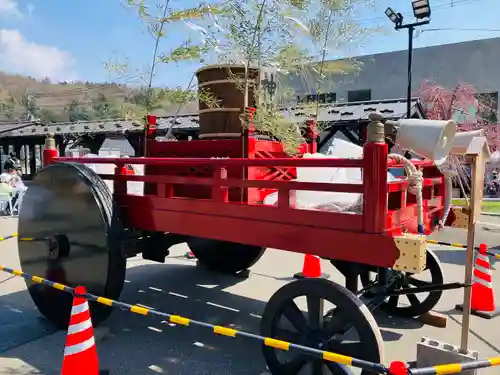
x=335, y=320
x=70, y=212
x=411, y=305
x=225, y=257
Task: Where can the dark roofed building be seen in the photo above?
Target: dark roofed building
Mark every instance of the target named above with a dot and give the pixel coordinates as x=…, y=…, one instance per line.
x=345, y=120
x=8, y=127
x=187, y=124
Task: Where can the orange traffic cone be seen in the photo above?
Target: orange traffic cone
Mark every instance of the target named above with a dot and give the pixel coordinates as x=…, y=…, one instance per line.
x=80, y=353
x=483, y=296
x=311, y=268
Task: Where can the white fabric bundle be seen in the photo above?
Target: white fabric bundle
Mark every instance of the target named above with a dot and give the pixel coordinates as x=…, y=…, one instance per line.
x=330, y=201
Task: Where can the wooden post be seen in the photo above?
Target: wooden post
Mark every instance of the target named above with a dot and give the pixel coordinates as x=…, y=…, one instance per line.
x=219, y=192
x=249, y=146
x=119, y=185
x=375, y=153
x=477, y=163
x=49, y=150
x=312, y=136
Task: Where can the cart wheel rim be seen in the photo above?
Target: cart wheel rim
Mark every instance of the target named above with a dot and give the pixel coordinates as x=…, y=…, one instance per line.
x=413, y=305
x=70, y=213
x=319, y=329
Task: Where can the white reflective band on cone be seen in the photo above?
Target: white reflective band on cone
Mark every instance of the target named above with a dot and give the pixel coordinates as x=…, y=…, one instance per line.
x=78, y=348
x=483, y=270
x=483, y=257
x=78, y=309
x=79, y=327
x=485, y=283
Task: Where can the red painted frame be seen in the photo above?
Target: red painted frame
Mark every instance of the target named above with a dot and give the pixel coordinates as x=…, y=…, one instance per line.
x=248, y=146
x=365, y=238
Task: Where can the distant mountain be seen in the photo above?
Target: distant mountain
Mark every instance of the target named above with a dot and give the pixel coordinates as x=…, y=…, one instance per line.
x=24, y=98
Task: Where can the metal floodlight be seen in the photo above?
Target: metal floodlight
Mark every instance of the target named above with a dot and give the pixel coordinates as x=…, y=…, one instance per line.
x=393, y=16
x=421, y=8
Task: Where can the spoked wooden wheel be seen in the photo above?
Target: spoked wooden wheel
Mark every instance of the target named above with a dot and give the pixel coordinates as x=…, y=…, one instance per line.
x=412, y=305
x=70, y=212
x=224, y=257
x=336, y=321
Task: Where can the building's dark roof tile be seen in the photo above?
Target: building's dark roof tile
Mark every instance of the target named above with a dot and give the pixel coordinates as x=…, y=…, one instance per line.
x=7, y=127
x=332, y=113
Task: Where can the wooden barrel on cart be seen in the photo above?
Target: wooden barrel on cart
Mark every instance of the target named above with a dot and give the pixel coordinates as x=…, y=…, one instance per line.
x=226, y=84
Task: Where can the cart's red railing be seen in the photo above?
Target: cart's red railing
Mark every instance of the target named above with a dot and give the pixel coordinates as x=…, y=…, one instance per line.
x=222, y=162
x=220, y=184
x=357, y=237
x=375, y=218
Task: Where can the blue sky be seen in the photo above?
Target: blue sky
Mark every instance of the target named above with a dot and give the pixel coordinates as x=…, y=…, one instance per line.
x=68, y=39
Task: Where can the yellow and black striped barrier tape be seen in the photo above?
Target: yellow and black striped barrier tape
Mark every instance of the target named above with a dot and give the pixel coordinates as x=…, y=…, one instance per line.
x=219, y=330
x=453, y=368
x=461, y=246
x=8, y=237
x=14, y=235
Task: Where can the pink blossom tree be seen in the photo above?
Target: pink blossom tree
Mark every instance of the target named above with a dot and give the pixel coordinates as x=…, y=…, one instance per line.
x=461, y=104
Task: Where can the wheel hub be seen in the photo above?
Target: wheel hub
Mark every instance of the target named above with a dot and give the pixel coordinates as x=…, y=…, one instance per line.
x=420, y=302
x=58, y=247
x=315, y=339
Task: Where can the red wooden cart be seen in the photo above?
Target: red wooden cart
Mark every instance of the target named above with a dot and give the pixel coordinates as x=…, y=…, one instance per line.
x=202, y=193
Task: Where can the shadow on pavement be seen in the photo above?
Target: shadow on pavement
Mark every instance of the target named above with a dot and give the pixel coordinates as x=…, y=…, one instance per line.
x=457, y=256
x=20, y=321
x=148, y=345
x=451, y=256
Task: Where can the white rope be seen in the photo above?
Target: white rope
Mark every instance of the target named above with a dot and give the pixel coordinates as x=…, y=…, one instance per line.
x=461, y=176
x=449, y=172
x=448, y=203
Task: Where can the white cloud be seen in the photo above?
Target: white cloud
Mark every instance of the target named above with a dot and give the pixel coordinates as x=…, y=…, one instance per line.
x=18, y=55
x=10, y=8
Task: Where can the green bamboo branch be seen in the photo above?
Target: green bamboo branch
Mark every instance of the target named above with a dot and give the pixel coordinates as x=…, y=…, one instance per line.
x=323, y=56
x=159, y=35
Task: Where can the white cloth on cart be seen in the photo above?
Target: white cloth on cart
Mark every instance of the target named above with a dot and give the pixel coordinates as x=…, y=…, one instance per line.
x=330, y=201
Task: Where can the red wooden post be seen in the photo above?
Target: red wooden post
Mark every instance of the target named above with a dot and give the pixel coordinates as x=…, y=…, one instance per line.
x=250, y=151
x=375, y=153
x=49, y=150
x=119, y=185
x=312, y=136
x=150, y=125
x=286, y=199
x=149, y=132
x=251, y=141
x=220, y=193
x=164, y=190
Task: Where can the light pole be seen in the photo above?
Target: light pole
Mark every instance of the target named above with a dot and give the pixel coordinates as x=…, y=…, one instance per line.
x=422, y=13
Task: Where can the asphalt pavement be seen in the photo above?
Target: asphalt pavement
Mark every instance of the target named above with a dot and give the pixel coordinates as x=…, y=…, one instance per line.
x=133, y=344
